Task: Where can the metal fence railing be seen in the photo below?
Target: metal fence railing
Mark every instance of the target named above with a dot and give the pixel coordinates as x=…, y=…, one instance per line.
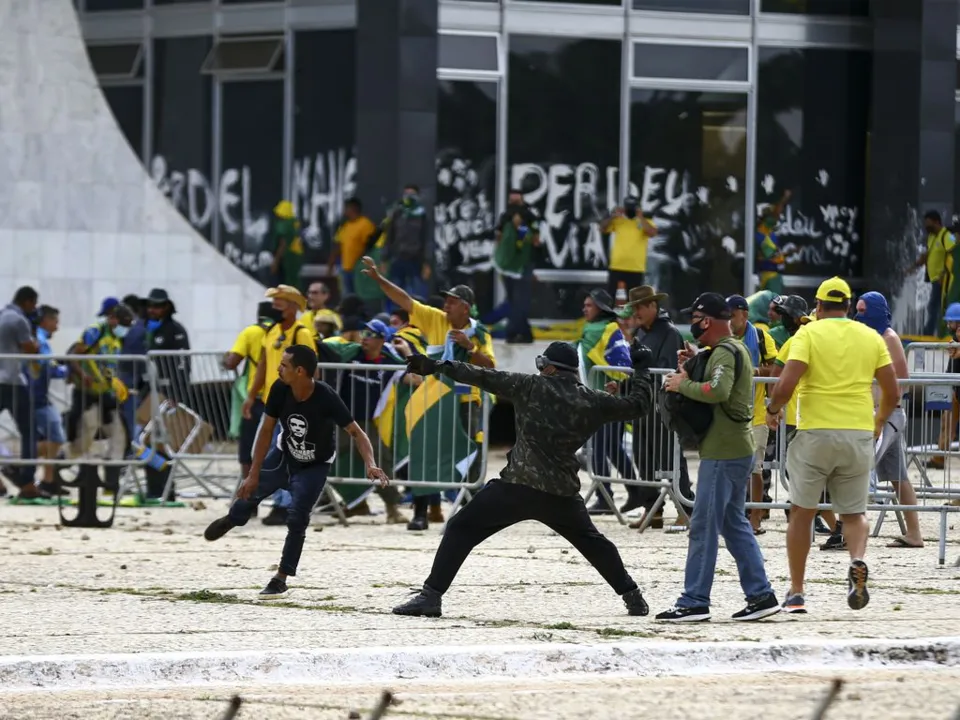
x=926, y=399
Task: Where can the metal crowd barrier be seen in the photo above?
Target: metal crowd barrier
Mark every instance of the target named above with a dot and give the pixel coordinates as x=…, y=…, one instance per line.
x=925, y=396
x=198, y=410
x=75, y=411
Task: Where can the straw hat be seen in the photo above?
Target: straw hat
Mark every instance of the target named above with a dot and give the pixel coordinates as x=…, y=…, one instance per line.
x=288, y=293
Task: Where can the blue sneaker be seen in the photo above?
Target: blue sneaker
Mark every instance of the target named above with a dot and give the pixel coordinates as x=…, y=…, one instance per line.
x=794, y=605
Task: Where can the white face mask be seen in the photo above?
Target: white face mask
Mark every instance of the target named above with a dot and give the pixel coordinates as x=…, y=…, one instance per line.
x=120, y=331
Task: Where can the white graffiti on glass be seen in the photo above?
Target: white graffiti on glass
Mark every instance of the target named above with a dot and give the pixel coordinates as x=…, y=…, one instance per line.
x=320, y=184
x=463, y=218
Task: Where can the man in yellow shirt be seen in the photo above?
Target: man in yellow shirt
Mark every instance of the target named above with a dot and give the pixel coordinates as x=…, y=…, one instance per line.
x=318, y=295
x=832, y=365
x=247, y=348
x=350, y=243
x=452, y=331
x=763, y=351
x=628, y=248
x=287, y=301
x=939, y=268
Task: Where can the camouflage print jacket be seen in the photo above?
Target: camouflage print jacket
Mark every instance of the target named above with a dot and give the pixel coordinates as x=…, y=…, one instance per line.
x=555, y=415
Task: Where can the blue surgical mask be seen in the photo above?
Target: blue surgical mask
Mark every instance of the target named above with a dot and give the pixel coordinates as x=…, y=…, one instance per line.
x=120, y=331
x=153, y=325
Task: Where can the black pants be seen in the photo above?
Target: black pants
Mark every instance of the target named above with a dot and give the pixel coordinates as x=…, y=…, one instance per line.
x=653, y=450
x=630, y=279
x=499, y=505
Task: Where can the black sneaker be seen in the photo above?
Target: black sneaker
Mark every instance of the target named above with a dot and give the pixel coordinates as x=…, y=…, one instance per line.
x=857, y=594
x=600, y=507
x=218, y=528
x=426, y=603
x=418, y=523
x=685, y=615
x=834, y=542
x=274, y=589
x=635, y=603
x=820, y=527
x=277, y=516
x=759, y=609
x=795, y=604
x=630, y=505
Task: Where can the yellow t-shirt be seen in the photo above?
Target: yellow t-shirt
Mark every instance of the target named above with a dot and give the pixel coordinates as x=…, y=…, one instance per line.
x=768, y=353
x=352, y=238
x=434, y=326
x=248, y=345
x=790, y=410
x=297, y=334
x=842, y=357
x=939, y=247
x=628, y=251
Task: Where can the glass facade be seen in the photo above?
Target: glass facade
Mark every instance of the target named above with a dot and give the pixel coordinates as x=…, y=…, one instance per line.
x=704, y=132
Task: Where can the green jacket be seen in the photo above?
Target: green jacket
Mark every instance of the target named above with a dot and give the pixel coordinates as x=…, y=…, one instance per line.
x=727, y=439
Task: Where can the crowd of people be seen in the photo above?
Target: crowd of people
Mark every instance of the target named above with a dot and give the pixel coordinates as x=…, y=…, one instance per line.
x=105, y=392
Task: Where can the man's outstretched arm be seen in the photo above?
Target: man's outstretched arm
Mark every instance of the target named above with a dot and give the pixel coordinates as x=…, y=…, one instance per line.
x=505, y=384
x=636, y=403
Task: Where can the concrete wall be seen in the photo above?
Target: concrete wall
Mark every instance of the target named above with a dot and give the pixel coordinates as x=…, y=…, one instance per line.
x=79, y=217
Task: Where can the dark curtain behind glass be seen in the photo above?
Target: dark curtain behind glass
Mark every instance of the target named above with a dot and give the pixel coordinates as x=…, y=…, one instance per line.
x=688, y=170
x=466, y=186
x=812, y=115
x=723, y=7
x=563, y=153
x=99, y=5
x=325, y=165
x=126, y=104
x=252, y=181
x=181, y=130
x=817, y=7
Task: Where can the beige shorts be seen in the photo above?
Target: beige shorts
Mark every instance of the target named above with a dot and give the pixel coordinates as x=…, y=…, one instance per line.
x=760, y=435
x=836, y=461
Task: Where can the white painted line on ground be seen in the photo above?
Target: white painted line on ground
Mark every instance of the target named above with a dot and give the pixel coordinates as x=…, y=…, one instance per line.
x=452, y=663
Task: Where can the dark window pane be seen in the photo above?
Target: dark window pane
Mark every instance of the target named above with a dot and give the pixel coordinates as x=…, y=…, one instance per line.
x=564, y=145
x=252, y=180
x=583, y=2
x=116, y=61
x=817, y=7
x=182, y=2
x=253, y=55
x=246, y=2
x=811, y=139
x=325, y=164
x=724, y=7
x=467, y=52
x=689, y=62
x=181, y=130
x=466, y=186
x=956, y=165
x=106, y=5
x=687, y=168
x=126, y=104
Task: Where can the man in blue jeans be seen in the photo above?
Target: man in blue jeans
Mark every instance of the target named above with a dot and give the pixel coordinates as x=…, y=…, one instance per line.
x=308, y=411
x=16, y=338
x=726, y=457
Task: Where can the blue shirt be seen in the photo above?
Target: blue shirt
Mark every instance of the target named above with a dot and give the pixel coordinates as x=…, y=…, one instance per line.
x=41, y=372
x=135, y=343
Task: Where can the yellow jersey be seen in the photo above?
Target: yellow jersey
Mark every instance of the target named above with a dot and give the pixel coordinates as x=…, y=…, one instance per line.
x=248, y=345
x=434, y=325
x=275, y=342
x=842, y=357
x=628, y=249
x=768, y=353
x=352, y=238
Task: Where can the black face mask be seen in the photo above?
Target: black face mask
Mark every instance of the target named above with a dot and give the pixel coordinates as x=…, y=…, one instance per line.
x=697, y=330
x=515, y=208
x=630, y=213
x=789, y=324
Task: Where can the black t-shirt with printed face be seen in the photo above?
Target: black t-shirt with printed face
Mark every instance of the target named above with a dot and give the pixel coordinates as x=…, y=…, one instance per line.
x=309, y=427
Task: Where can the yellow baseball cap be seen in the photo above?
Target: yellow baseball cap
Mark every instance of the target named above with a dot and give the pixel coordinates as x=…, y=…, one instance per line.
x=834, y=290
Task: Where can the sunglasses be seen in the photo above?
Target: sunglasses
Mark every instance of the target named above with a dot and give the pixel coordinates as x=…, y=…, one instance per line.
x=370, y=335
x=278, y=343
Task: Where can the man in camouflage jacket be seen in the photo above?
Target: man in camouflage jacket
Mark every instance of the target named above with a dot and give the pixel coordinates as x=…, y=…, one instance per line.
x=555, y=415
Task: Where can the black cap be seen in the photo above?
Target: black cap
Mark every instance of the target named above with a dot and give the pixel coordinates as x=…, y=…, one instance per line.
x=601, y=298
x=562, y=355
x=792, y=306
x=460, y=292
x=159, y=296
x=630, y=203
x=738, y=302
x=712, y=305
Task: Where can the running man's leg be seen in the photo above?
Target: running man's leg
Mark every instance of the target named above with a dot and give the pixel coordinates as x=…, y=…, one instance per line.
x=809, y=464
x=737, y=532
x=273, y=476
x=892, y=468
x=305, y=488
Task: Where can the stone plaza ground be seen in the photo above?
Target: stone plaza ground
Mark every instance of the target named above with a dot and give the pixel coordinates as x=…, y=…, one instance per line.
x=151, y=584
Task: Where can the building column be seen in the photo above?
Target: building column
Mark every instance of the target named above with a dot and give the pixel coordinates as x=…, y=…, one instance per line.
x=396, y=101
x=911, y=142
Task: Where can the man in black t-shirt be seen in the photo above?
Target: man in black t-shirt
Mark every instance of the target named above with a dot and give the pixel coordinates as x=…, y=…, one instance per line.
x=309, y=413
